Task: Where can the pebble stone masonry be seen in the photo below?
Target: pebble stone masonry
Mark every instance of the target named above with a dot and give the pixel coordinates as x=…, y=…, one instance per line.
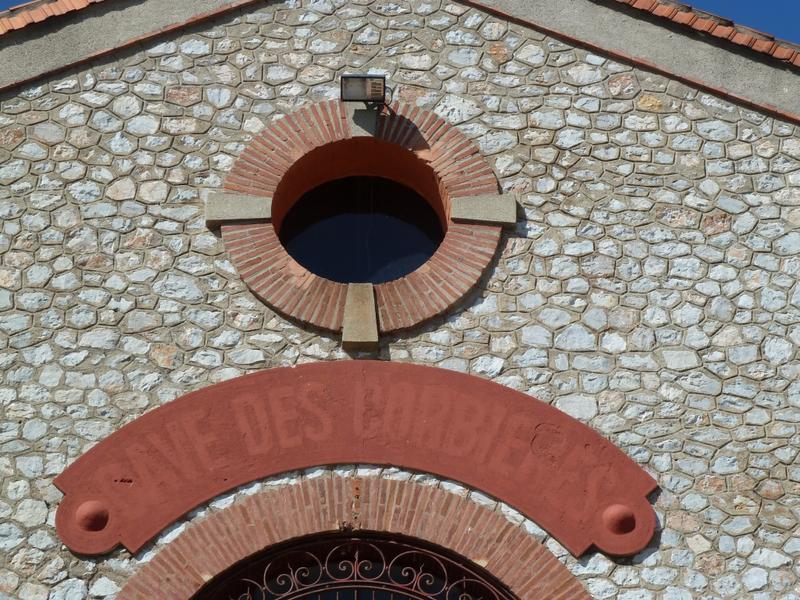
x=651, y=289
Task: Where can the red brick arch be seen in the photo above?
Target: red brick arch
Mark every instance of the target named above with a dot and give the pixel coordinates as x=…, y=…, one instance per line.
x=331, y=503
x=319, y=143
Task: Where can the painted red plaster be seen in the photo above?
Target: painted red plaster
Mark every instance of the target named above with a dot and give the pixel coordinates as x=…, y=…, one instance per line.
x=555, y=470
x=359, y=157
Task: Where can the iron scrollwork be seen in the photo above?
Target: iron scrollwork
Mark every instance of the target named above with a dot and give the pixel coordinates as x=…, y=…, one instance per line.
x=355, y=568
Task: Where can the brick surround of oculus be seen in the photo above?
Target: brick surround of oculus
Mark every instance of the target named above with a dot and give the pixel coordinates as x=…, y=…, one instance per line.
x=332, y=140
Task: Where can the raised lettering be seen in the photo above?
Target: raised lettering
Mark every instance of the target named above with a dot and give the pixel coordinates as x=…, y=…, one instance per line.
x=173, y=450
x=252, y=421
x=514, y=447
x=285, y=416
x=547, y=449
x=435, y=409
x=429, y=420
x=399, y=412
x=202, y=439
x=463, y=432
x=149, y=472
x=490, y=435
x=597, y=481
x=313, y=402
x=369, y=407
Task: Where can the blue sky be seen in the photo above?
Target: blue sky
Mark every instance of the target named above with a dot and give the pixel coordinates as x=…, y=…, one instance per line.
x=781, y=18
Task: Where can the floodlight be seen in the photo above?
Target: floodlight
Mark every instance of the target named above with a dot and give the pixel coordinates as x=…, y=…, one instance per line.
x=364, y=88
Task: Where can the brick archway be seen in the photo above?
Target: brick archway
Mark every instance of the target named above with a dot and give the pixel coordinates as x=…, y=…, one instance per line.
x=334, y=503
x=331, y=140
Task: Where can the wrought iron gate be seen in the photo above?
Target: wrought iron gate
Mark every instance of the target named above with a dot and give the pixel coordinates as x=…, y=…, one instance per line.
x=350, y=567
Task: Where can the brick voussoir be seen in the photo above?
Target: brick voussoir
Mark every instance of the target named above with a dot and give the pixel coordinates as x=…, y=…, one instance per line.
x=395, y=307
x=295, y=292
x=235, y=183
x=327, y=129
x=254, y=268
x=246, y=253
x=466, y=190
x=310, y=127
x=272, y=145
x=259, y=168
x=246, y=238
x=438, y=298
x=247, y=170
x=332, y=313
x=424, y=294
x=411, y=300
x=454, y=255
x=318, y=300
x=272, y=149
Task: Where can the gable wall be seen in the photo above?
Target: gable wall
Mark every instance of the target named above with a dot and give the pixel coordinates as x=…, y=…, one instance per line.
x=651, y=290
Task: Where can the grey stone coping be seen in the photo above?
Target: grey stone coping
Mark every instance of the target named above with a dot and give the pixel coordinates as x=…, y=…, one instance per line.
x=676, y=51
x=360, y=328
x=59, y=42
x=498, y=209
x=223, y=205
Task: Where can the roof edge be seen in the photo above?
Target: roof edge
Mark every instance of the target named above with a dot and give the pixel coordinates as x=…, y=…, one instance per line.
x=36, y=11
x=742, y=77
x=719, y=27
x=672, y=11
x=768, y=88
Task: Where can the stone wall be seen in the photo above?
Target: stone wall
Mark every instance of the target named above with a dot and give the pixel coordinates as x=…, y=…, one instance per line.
x=651, y=290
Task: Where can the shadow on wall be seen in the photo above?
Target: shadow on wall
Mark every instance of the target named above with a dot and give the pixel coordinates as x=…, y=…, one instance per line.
x=413, y=140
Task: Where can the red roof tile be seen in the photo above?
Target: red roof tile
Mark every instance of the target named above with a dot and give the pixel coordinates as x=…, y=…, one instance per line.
x=719, y=27
x=22, y=15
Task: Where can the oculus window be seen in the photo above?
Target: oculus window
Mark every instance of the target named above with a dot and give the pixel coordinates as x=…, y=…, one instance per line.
x=361, y=230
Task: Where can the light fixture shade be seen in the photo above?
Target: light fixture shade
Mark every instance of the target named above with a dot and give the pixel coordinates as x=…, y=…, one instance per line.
x=364, y=88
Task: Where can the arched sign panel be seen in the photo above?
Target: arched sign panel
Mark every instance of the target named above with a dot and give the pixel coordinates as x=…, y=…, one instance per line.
x=558, y=472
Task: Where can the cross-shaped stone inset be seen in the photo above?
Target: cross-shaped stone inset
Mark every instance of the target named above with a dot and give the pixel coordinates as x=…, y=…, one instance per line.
x=332, y=140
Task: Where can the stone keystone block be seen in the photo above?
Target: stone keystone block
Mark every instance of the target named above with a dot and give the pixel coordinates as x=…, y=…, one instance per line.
x=360, y=328
x=498, y=209
x=223, y=205
x=363, y=121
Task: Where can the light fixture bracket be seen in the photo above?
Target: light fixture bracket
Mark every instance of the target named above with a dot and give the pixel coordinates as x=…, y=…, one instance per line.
x=370, y=89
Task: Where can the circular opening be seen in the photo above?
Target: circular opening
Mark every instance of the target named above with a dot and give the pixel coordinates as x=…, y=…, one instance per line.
x=619, y=519
x=92, y=516
x=361, y=230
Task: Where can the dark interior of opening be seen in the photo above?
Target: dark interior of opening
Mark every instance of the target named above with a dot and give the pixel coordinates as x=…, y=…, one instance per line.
x=350, y=566
x=361, y=230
